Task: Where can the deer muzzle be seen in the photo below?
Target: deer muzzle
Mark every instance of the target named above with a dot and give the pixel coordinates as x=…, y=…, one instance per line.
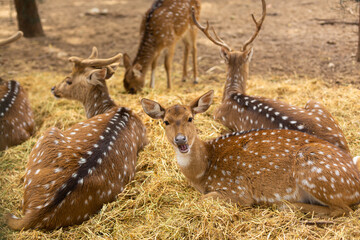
x=182, y=143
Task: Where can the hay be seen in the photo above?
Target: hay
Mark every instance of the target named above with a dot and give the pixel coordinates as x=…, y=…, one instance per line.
x=159, y=203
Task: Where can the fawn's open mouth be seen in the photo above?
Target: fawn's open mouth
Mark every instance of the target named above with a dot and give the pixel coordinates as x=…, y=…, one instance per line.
x=183, y=148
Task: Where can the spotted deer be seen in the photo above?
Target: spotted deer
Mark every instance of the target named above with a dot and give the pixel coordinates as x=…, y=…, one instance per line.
x=88, y=164
x=240, y=112
x=165, y=23
x=16, y=117
x=266, y=166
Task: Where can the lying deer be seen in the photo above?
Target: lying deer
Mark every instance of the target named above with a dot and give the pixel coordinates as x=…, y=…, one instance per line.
x=164, y=24
x=241, y=112
x=16, y=117
x=72, y=173
x=260, y=166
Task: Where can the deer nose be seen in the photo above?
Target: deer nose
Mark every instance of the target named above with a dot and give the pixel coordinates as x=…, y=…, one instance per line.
x=132, y=91
x=180, y=139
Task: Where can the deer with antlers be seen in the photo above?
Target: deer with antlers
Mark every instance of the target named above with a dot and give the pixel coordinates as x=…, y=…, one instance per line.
x=241, y=112
x=90, y=163
x=260, y=166
x=16, y=117
x=165, y=23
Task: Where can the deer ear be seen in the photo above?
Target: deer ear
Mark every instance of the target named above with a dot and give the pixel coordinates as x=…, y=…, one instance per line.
x=153, y=109
x=248, y=54
x=202, y=103
x=224, y=54
x=137, y=70
x=111, y=70
x=127, y=61
x=96, y=76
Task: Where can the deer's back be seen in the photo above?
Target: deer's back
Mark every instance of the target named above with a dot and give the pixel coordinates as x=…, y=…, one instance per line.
x=86, y=165
x=269, y=164
x=16, y=117
x=168, y=20
x=248, y=112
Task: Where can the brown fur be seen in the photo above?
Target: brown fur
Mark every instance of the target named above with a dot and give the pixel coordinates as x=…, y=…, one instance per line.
x=87, y=165
x=239, y=114
x=263, y=166
x=17, y=125
x=164, y=24
x=100, y=187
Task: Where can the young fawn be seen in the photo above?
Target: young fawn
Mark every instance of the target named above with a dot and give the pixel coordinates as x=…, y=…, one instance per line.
x=16, y=117
x=87, y=165
x=163, y=25
x=241, y=112
x=306, y=171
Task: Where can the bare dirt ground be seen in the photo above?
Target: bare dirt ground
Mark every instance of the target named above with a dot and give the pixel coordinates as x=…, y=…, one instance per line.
x=291, y=42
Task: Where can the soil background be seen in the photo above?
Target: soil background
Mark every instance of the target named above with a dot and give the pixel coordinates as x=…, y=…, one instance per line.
x=292, y=41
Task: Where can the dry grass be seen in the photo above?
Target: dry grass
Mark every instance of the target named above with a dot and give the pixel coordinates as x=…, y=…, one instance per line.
x=159, y=203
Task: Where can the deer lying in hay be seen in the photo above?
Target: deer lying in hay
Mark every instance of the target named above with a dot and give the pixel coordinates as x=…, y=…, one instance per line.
x=241, y=112
x=16, y=117
x=260, y=166
x=90, y=163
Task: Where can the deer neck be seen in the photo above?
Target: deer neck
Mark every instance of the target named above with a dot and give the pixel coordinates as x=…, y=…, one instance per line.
x=145, y=54
x=194, y=164
x=235, y=80
x=98, y=102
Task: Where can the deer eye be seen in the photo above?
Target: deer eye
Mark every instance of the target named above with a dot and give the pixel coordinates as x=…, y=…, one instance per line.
x=68, y=82
x=166, y=123
x=190, y=119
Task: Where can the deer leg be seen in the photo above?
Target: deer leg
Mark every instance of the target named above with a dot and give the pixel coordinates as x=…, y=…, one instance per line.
x=320, y=211
x=244, y=201
x=193, y=34
x=186, y=56
x=153, y=67
x=168, y=62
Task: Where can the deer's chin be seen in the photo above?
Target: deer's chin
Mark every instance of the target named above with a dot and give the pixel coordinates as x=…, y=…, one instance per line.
x=183, y=148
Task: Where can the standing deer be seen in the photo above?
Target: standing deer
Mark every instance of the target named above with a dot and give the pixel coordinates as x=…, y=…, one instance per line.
x=90, y=163
x=16, y=117
x=164, y=24
x=241, y=112
x=260, y=166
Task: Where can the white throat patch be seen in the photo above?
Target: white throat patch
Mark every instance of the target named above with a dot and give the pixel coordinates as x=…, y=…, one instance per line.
x=183, y=159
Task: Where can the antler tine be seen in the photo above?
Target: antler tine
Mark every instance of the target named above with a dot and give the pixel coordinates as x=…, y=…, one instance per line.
x=92, y=61
x=100, y=62
x=75, y=60
x=13, y=38
x=94, y=53
x=219, y=41
x=257, y=24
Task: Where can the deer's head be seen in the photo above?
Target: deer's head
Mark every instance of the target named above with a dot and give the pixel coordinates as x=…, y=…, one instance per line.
x=87, y=74
x=134, y=79
x=234, y=58
x=178, y=121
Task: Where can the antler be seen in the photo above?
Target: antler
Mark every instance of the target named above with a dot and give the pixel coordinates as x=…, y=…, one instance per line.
x=257, y=24
x=92, y=62
x=94, y=53
x=218, y=41
x=13, y=38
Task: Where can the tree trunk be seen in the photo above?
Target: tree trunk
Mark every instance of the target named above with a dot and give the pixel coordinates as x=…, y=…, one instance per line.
x=28, y=18
x=358, y=51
